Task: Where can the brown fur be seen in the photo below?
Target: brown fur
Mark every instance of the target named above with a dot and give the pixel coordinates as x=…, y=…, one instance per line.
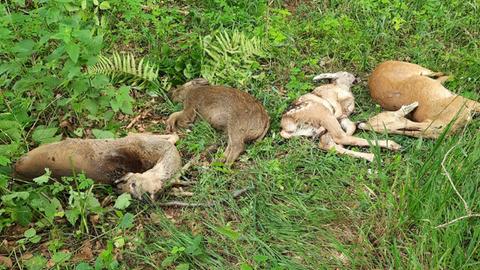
x=237, y=113
x=401, y=87
x=324, y=113
x=152, y=158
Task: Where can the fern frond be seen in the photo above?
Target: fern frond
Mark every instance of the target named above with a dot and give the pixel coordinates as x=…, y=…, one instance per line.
x=123, y=68
x=230, y=57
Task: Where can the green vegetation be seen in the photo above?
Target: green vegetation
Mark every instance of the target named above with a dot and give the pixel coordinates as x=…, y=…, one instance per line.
x=309, y=210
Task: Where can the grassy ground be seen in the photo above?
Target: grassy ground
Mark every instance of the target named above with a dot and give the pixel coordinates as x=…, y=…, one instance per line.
x=309, y=209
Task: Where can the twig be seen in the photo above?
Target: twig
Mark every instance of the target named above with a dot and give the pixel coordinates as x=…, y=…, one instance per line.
x=457, y=219
x=465, y=204
x=447, y=174
x=235, y=194
x=138, y=117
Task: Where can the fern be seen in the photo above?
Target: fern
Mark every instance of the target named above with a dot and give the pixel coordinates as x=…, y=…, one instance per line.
x=230, y=58
x=125, y=69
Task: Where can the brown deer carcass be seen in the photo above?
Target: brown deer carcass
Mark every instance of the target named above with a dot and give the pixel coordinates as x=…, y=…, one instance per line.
x=418, y=104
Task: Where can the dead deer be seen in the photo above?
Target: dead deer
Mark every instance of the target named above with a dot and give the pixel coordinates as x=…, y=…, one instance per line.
x=324, y=113
x=235, y=112
x=138, y=163
x=403, y=88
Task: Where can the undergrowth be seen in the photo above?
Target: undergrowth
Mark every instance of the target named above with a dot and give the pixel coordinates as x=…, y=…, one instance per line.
x=309, y=210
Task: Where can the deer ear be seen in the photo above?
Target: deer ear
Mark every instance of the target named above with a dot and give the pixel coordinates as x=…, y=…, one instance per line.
x=325, y=76
x=200, y=81
x=406, y=109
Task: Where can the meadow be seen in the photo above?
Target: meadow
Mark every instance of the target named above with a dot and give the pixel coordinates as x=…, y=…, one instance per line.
x=72, y=68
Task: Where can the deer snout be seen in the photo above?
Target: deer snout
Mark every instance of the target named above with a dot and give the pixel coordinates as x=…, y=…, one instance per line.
x=362, y=125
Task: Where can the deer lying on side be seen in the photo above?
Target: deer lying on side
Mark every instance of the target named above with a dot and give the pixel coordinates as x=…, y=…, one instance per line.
x=235, y=112
x=402, y=88
x=138, y=163
x=324, y=113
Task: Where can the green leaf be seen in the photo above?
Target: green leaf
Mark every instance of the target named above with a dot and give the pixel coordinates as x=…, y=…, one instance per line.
x=43, y=135
x=182, y=266
x=245, y=266
x=72, y=215
x=123, y=201
x=44, y=178
x=22, y=215
x=168, y=261
x=24, y=48
x=229, y=232
x=102, y=134
x=61, y=257
x=4, y=161
x=126, y=221
x=23, y=195
x=104, y=5
x=119, y=242
x=73, y=50
x=260, y=258
x=30, y=233
x=4, y=181
x=37, y=262
x=83, y=266
x=35, y=239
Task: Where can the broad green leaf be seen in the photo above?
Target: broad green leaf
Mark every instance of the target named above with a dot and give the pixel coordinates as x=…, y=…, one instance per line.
x=260, y=258
x=72, y=215
x=44, y=178
x=4, y=161
x=102, y=134
x=22, y=215
x=43, y=135
x=73, y=50
x=104, y=5
x=37, y=262
x=23, y=195
x=229, y=232
x=30, y=233
x=61, y=257
x=126, y=221
x=123, y=201
x=92, y=203
x=24, y=48
x=83, y=266
x=245, y=266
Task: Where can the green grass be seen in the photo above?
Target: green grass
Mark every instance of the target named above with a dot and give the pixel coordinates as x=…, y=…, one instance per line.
x=310, y=209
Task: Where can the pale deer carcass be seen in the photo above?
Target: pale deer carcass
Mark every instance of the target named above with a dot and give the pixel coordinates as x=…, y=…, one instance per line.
x=324, y=114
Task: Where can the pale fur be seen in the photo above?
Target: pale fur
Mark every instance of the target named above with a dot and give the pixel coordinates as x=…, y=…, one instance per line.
x=324, y=113
x=402, y=88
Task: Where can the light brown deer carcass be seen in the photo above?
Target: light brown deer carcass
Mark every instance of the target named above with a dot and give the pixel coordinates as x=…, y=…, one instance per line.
x=418, y=104
x=324, y=113
x=235, y=112
x=138, y=163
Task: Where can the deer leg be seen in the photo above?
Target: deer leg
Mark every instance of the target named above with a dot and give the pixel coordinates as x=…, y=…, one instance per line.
x=340, y=137
x=348, y=126
x=172, y=138
x=425, y=129
x=236, y=145
x=181, y=119
x=442, y=79
x=327, y=143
